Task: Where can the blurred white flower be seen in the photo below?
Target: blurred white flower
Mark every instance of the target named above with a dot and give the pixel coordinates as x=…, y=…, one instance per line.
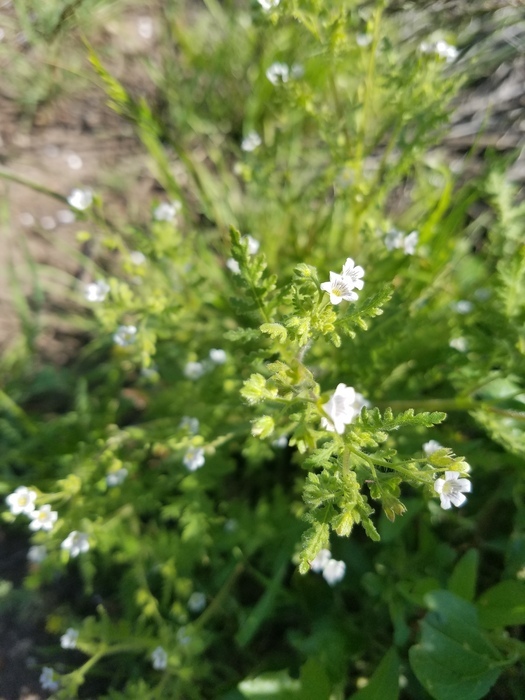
x=66, y=216
x=396, y=239
x=137, y=258
x=410, y=242
x=69, y=639
x=48, y=223
x=74, y=161
x=159, y=659
x=37, y=553
x=26, y=219
x=233, y=266
x=190, y=424
x=431, y=446
x=194, y=370
x=334, y=571
x=341, y=409
x=145, y=27
x=253, y=244
x=43, y=519
x=80, y=198
x=251, y=141
x=460, y=344
x=167, y=211
x=280, y=442
x=278, y=73
x=76, y=543
x=96, y=291
x=464, y=306
x=125, y=335
x=364, y=39
x=47, y=679
x=183, y=637
x=451, y=490
x=197, y=602
x=21, y=501
x=194, y=458
x=268, y=4
x=218, y=356
x=321, y=560
x=117, y=477
x=446, y=50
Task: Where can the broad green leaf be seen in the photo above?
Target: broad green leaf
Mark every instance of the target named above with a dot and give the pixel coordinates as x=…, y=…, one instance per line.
x=384, y=682
x=502, y=605
x=462, y=581
x=315, y=684
x=454, y=659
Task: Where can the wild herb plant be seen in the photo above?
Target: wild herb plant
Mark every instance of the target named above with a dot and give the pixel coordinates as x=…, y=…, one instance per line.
x=251, y=424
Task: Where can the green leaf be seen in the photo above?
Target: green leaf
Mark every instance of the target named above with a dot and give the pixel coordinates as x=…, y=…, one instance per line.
x=315, y=684
x=462, y=581
x=454, y=658
x=275, y=330
x=502, y=605
x=384, y=683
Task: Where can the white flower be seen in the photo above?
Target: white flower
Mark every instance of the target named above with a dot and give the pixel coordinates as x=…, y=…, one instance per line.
x=159, y=659
x=197, y=602
x=117, y=477
x=145, y=27
x=278, y=72
x=137, y=258
x=446, y=50
x=69, y=639
x=47, y=679
x=341, y=409
x=268, y=4
x=410, y=242
x=37, y=553
x=460, y=344
x=21, y=501
x=251, y=141
x=253, y=244
x=43, y=519
x=334, y=571
x=394, y=239
x=194, y=458
x=190, y=424
x=96, y=291
x=80, y=199
x=218, y=356
x=280, y=442
x=76, y=543
x=451, y=489
x=194, y=370
x=339, y=289
x=352, y=274
x=464, y=306
x=431, y=446
x=166, y=211
x=125, y=335
x=233, y=266
x=321, y=560
x=364, y=39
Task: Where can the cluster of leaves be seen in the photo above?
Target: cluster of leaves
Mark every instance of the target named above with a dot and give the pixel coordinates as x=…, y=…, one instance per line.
x=110, y=442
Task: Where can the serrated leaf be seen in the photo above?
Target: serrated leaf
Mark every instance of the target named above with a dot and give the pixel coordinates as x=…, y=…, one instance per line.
x=275, y=330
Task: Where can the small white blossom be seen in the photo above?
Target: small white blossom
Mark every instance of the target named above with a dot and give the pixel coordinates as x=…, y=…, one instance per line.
x=218, y=356
x=410, y=242
x=233, y=266
x=464, y=306
x=395, y=240
x=159, y=659
x=96, y=291
x=446, y=50
x=364, y=39
x=37, y=553
x=22, y=501
x=278, y=73
x=341, y=409
x=334, y=571
x=117, y=477
x=280, y=442
x=353, y=274
x=166, y=211
x=80, y=199
x=74, y=161
x=137, y=258
x=339, y=289
x=197, y=602
x=125, y=335
x=194, y=370
x=145, y=27
x=69, y=639
x=76, y=543
x=251, y=141
x=431, y=446
x=43, y=519
x=321, y=560
x=190, y=424
x=460, y=344
x=47, y=679
x=451, y=489
x=268, y=5
x=253, y=244
x=194, y=458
